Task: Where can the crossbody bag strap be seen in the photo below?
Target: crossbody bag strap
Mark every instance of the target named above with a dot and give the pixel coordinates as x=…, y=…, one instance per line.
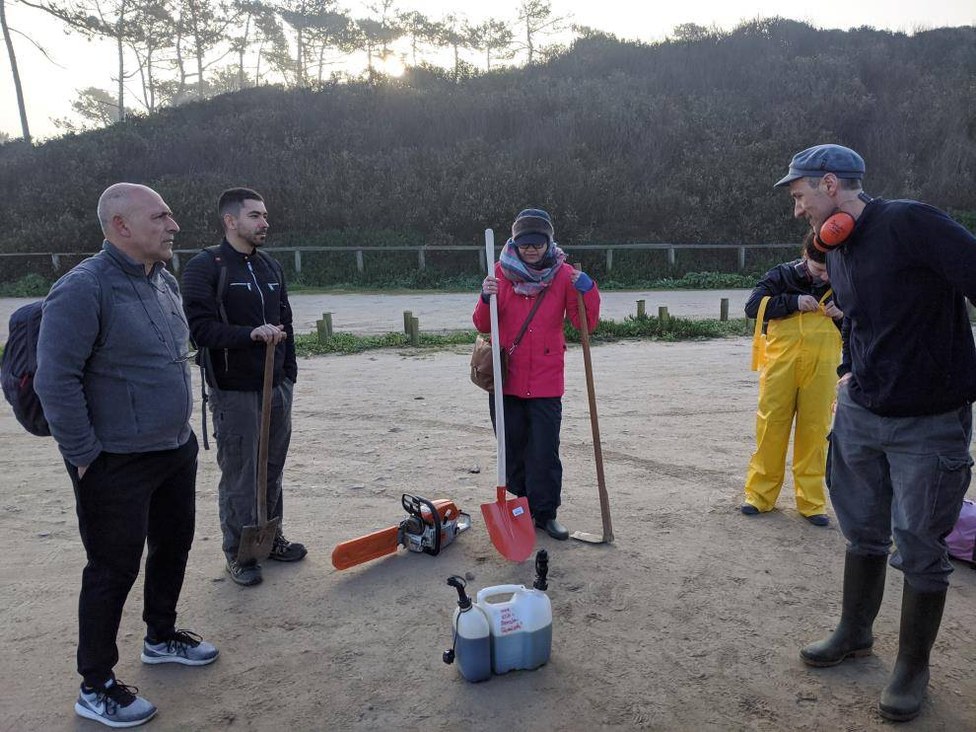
x=528, y=319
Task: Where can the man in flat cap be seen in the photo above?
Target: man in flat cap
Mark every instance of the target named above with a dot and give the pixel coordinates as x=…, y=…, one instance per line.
x=899, y=461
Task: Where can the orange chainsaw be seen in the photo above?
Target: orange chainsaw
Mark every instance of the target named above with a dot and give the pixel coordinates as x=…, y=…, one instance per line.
x=429, y=527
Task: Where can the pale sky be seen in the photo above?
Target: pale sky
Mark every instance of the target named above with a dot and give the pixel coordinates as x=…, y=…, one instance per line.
x=49, y=89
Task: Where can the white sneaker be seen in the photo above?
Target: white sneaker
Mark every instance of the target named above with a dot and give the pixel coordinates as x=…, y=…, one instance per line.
x=114, y=705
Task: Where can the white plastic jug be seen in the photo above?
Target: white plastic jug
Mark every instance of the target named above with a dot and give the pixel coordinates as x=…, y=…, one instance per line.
x=472, y=643
x=521, y=626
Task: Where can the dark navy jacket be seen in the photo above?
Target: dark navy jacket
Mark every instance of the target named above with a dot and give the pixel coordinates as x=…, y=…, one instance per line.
x=784, y=284
x=901, y=280
x=254, y=294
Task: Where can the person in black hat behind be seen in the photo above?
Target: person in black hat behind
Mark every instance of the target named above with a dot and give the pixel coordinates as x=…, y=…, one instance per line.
x=532, y=272
x=899, y=460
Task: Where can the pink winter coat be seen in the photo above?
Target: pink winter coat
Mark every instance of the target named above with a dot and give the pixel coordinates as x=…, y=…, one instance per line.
x=535, y=369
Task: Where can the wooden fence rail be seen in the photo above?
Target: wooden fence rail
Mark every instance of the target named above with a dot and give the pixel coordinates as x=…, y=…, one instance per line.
x=422, y=250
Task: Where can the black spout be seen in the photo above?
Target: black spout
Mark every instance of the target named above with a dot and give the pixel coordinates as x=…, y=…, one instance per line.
x=464, y=602
x=541, y=570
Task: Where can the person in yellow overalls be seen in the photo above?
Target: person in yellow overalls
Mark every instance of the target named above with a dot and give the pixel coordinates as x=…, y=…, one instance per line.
x=798, y=361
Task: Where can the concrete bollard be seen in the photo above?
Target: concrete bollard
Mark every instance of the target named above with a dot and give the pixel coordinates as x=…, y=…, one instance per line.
x=641, y=309
x=724, y=309
x=662, y=314
x=407, y=317
x=414, y=331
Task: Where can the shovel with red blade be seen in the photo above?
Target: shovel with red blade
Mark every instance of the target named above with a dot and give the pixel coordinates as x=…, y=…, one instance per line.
x=508, y=519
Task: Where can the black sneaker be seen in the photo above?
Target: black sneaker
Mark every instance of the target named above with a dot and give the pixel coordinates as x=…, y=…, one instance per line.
x=287, y=551
x=245, y=575
x=114, y=705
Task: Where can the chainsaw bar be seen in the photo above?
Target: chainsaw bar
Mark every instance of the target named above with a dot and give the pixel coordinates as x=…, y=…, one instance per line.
x=385, y=541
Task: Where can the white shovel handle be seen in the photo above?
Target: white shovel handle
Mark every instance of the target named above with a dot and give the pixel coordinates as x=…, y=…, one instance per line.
x=496, y=359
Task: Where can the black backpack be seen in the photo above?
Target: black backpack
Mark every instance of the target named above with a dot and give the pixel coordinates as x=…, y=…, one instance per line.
x=19, y=364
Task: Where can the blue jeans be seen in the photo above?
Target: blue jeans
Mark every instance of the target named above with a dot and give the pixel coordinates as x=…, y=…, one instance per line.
x=900, y=478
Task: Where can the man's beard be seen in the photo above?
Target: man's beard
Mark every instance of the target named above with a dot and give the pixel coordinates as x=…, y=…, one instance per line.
x=257, y=240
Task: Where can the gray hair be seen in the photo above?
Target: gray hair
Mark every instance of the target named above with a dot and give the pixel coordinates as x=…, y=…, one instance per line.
x=115, y=200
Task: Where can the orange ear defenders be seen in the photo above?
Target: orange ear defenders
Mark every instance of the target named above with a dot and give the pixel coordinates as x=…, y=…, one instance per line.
x=835, y=231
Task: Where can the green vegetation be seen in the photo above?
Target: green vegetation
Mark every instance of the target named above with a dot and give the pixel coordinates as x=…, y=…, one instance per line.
x=671, y=329
x=30, y=285
x=678, y=141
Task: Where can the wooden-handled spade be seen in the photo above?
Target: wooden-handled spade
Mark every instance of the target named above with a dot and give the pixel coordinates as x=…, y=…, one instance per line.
x=607, y=537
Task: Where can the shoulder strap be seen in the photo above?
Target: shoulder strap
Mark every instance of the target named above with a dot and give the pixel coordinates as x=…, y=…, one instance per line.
x=214, y=253
x=204, y=358
x=758, y=341
x=528, y=319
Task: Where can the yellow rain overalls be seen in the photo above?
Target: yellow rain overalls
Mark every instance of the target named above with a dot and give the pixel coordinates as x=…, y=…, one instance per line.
x=798, y=377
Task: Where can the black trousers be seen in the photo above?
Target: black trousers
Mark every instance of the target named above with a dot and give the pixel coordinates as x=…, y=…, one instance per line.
x=125, y=501
x=532, y=465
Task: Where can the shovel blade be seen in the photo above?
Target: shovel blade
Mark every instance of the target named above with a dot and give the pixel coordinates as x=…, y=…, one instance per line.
x=510, y=526
x=256, y=541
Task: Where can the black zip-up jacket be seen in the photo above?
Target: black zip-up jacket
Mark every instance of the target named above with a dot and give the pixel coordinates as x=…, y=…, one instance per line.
x=901, y=280
x=784, y=284
x=254, y=294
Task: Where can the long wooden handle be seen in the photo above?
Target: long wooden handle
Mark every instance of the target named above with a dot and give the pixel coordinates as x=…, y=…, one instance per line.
x=262, y=487
x=594, y=422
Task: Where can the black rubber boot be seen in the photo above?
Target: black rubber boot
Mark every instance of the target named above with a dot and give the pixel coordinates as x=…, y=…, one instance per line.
x=921, y=616
x=864, y=580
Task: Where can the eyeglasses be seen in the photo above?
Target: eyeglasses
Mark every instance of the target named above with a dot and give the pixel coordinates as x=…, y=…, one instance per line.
x=541, y=245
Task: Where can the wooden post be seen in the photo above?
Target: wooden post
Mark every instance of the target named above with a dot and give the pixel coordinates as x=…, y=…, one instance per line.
x=482, y=262
x=724, y=309
x=742, y=258
x=662, y=314
x=56, y=261
x=641, y=310
x=324, y=327
x=298, y=261
x=359, y=260
x=414, y=331
x=421, y=259
x=609, y=260
x=175, y=262
x=671, y=257
x=407, y=317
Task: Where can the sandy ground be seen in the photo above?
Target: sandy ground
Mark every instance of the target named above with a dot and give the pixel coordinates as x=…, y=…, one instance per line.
x=691, y=620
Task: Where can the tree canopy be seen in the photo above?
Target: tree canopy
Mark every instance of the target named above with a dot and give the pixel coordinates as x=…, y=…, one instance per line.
x=677, y=141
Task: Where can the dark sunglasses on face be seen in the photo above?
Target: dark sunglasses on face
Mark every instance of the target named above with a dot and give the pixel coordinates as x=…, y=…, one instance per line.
x=541, y=245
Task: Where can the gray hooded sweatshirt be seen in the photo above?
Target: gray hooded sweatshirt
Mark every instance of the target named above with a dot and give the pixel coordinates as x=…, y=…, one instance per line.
x=112, y=359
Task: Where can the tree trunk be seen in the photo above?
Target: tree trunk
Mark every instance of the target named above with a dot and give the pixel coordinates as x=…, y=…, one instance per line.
x=119, y=37
x=25, y=129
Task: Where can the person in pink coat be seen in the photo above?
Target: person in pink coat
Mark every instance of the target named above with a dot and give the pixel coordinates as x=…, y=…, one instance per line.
x=532, y=266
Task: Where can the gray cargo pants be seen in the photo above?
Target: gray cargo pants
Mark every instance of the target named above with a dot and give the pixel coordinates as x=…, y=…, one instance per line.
x=901, y=477
x=237, y=427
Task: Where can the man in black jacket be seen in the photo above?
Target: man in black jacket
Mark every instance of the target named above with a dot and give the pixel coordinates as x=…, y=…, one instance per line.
x=899, y=450
x=236, y=302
